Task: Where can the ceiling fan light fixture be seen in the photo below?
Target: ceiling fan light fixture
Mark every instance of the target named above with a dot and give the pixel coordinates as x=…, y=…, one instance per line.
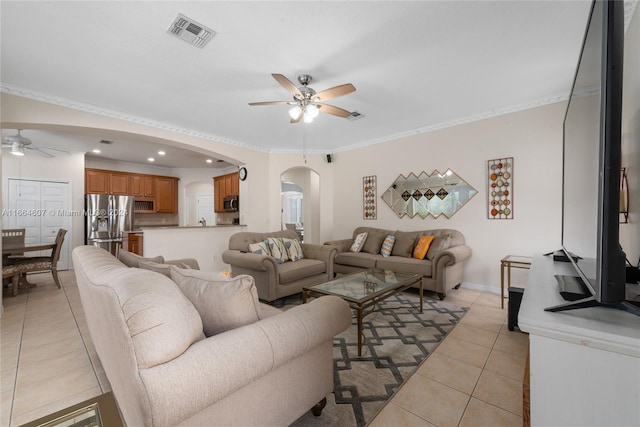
x=17, y=150
x=294, y=112
x=312, y=111
x=307, y=118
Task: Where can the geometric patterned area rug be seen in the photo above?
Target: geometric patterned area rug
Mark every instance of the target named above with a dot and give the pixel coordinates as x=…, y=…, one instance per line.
x=397, y=340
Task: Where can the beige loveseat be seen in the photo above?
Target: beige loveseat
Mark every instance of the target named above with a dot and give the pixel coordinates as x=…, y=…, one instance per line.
x=441, y=269
x=273, y=279
x=153, y=337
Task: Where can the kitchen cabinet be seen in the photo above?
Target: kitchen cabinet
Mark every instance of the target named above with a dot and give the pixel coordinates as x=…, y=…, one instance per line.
x=223, y=186
x=142, y=186
x=135, y=243
x=96, y=181
x=119, y=183
x=166, y=194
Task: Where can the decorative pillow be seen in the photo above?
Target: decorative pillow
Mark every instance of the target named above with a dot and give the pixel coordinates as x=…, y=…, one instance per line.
x=405, y=240
x=440, y=243
x=223, y=304
x=387, y=245
x=358, y=242
x=294, y=249
x=278, y=250
x=261, y=248
x=157, y=267
x=374, y=242
x=133, y=260
x=422, y=247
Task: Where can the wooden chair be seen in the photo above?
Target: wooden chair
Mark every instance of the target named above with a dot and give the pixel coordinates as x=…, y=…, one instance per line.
x=12, y=272
x=13, y=235
x=33, y=264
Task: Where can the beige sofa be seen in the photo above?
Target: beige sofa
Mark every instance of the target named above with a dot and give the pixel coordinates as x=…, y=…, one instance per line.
x=151, y=335
x=274, y=280
x=441, y=269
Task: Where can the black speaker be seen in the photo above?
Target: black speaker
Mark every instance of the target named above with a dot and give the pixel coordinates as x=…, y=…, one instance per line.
x=328, y=158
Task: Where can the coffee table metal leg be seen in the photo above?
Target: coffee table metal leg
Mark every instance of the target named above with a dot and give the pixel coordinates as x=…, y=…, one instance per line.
x=421, y=294
x=359, y=315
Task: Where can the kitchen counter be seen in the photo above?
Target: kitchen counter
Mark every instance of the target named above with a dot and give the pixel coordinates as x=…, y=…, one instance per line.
x=170, y=227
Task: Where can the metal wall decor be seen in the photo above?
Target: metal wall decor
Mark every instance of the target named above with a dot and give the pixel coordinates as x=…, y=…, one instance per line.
x=424, y=194
x=369, y=186
x=500, y=188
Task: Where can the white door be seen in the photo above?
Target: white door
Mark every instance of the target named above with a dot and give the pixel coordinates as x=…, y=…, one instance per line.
x=41, y=208
x=205, y=209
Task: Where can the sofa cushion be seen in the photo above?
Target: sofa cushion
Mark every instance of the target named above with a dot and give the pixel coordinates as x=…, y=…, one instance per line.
x=278, y=250
x=374, y=241
x=405, y=240
x=294, y=249
x=261, y=248
x=420, y=251
x=361, y=259
x=387, y=245
x=133, y=260
x=223, y=303
x=163, y=269
x=358, y=242
x=292, y=271
x=440, y=243
x=406, y=265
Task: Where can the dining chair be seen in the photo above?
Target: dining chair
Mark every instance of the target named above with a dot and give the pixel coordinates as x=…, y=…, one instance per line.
x=12, y=272
x=13, y=235
x=289, y=226
x=42, y=263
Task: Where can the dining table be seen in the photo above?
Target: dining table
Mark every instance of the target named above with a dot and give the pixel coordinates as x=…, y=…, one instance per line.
x=19, y=248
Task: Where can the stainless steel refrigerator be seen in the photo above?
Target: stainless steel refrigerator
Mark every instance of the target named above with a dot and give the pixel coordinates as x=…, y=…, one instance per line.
x=109, y=218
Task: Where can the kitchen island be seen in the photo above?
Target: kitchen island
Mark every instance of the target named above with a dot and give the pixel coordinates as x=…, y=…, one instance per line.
x=205, y=244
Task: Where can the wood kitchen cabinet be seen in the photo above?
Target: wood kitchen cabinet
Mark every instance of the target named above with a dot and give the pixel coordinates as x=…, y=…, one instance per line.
x=119, y=183
x=223, y=186
x=142, y=185
x=166, y=194
x=96, y=181
x=135, y=243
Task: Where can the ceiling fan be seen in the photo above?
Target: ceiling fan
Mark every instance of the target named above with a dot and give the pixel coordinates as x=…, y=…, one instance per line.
x=18, y=143
x=307, y=103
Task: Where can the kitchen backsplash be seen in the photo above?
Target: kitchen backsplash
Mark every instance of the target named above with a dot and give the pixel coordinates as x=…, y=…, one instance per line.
x=155, y=219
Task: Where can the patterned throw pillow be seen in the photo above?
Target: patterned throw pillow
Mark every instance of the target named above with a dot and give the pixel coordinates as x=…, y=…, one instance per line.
x=358, y=242
x=387, y=245
x=294, y=249
x=278, y=250
x=261, y=248
x=422, y=247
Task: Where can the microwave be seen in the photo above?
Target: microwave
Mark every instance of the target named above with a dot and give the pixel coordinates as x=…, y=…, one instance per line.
x=230, y=204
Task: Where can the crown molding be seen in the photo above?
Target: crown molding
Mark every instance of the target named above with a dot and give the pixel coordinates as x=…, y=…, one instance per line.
x=67, y=103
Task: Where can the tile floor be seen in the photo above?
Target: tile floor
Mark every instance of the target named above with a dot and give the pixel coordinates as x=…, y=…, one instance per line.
x=474, y=378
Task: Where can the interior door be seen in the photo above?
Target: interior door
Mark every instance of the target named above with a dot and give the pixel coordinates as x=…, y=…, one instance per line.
x=41, y=208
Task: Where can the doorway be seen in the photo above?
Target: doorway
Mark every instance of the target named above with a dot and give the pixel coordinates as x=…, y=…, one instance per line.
x=300, y=191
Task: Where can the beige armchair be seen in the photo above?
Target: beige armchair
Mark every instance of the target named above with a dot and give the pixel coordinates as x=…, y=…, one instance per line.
x=277, y=280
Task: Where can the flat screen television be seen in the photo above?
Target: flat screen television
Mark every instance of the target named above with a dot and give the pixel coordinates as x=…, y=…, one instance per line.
x=592, y=151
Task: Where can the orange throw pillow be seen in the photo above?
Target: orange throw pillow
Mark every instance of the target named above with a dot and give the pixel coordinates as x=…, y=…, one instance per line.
x=422, y=247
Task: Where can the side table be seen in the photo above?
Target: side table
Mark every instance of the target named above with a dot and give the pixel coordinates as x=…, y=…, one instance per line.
x=509, y=262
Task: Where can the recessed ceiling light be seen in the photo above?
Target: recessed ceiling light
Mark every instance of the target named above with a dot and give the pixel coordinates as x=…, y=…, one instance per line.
x=151, y=159
x=209, y=161
x=96, y=151
x=161, y=153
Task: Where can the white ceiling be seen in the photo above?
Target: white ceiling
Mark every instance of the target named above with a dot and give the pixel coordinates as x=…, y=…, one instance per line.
x=416, y=65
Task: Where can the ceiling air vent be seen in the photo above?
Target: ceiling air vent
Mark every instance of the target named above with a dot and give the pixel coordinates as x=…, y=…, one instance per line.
x=190, y=31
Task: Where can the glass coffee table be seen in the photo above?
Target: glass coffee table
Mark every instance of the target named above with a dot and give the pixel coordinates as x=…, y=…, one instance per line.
x=364, y=290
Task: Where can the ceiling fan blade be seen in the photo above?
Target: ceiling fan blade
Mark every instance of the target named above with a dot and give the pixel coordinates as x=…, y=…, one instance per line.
x=271, y=103
x=286, y=83
x=41, y=151
x=336, y=111
x=335, y=92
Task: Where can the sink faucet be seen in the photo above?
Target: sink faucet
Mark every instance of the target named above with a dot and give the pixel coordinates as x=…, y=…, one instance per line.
x=203, y=222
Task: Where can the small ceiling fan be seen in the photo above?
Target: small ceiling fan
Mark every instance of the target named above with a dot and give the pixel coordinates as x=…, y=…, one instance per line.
x=18, y=143
x=307, y=103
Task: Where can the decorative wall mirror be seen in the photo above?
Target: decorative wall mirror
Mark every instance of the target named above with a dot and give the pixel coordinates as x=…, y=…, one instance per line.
x=434, y=194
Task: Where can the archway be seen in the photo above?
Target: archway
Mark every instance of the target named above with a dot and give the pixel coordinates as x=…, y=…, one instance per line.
x=300, y=191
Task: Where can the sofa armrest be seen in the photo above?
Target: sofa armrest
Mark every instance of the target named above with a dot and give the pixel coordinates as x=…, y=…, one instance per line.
x=343, y=245
x=236, y=358
x=249, y=261
x=324, y=253
x=453, y=255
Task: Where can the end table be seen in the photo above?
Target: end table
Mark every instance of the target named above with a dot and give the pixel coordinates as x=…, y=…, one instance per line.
x=509, y=262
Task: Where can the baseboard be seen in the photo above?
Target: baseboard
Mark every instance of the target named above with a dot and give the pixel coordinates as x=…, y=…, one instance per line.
x=481, y=288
